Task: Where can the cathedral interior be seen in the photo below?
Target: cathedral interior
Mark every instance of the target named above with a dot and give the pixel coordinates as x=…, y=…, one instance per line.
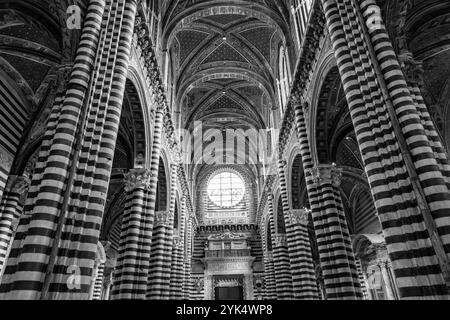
x=224, y=150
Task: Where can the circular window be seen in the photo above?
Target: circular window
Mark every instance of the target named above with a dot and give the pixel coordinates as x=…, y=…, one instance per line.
x=226, y=189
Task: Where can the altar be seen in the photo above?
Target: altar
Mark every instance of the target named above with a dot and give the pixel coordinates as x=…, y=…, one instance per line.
x=228, y=268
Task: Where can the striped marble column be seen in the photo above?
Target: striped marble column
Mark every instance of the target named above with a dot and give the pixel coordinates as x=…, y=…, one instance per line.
x=404, y=164
x=136, y=273
x=337, y=259
x=108, y=274
x=269, y=269
x=159, y=276
x=169, y=243
x=98, y=281
x=11, y=208
x=413, y=71
x=281, y=261
x=362, y=279
x=271, y=289
x=52, y=256
x=177, y=273
x=162, y=243
x=299, y=246
x=188, y=285
x=133, y=260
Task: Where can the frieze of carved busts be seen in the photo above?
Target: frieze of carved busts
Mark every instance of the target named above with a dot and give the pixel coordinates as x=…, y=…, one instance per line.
x=327, y=174
x=137, y=179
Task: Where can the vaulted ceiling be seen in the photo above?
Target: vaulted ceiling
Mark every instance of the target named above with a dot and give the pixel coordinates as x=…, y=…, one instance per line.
x=224, y=56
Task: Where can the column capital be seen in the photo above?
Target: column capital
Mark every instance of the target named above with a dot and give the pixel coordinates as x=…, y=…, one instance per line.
x=327, y=173
x=378, y=248
x=137, y=179
x=18, y=184
x=62, y=75
x=160, y=102
x=299, y=216
x=306, y=110
x=296, y=99
x=412, y=68
x=108, y=276
x=163, y=218
x=177, y=243
x=282, y=163
x=280, y=240
x=174, y=166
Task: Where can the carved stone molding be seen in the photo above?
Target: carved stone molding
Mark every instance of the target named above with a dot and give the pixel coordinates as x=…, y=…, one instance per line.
x=315, y=34
x=137, y=179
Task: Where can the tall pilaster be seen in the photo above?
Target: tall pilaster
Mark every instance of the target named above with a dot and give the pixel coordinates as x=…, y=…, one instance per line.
x=67, y=197
x=132, y=268
x=404, y=163
x=281, y=260
x=300, y=255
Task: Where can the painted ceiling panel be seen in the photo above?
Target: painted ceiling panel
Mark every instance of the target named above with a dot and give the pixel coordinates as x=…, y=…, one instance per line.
x=261, y=39
x=189, y=41
x=225, y=52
